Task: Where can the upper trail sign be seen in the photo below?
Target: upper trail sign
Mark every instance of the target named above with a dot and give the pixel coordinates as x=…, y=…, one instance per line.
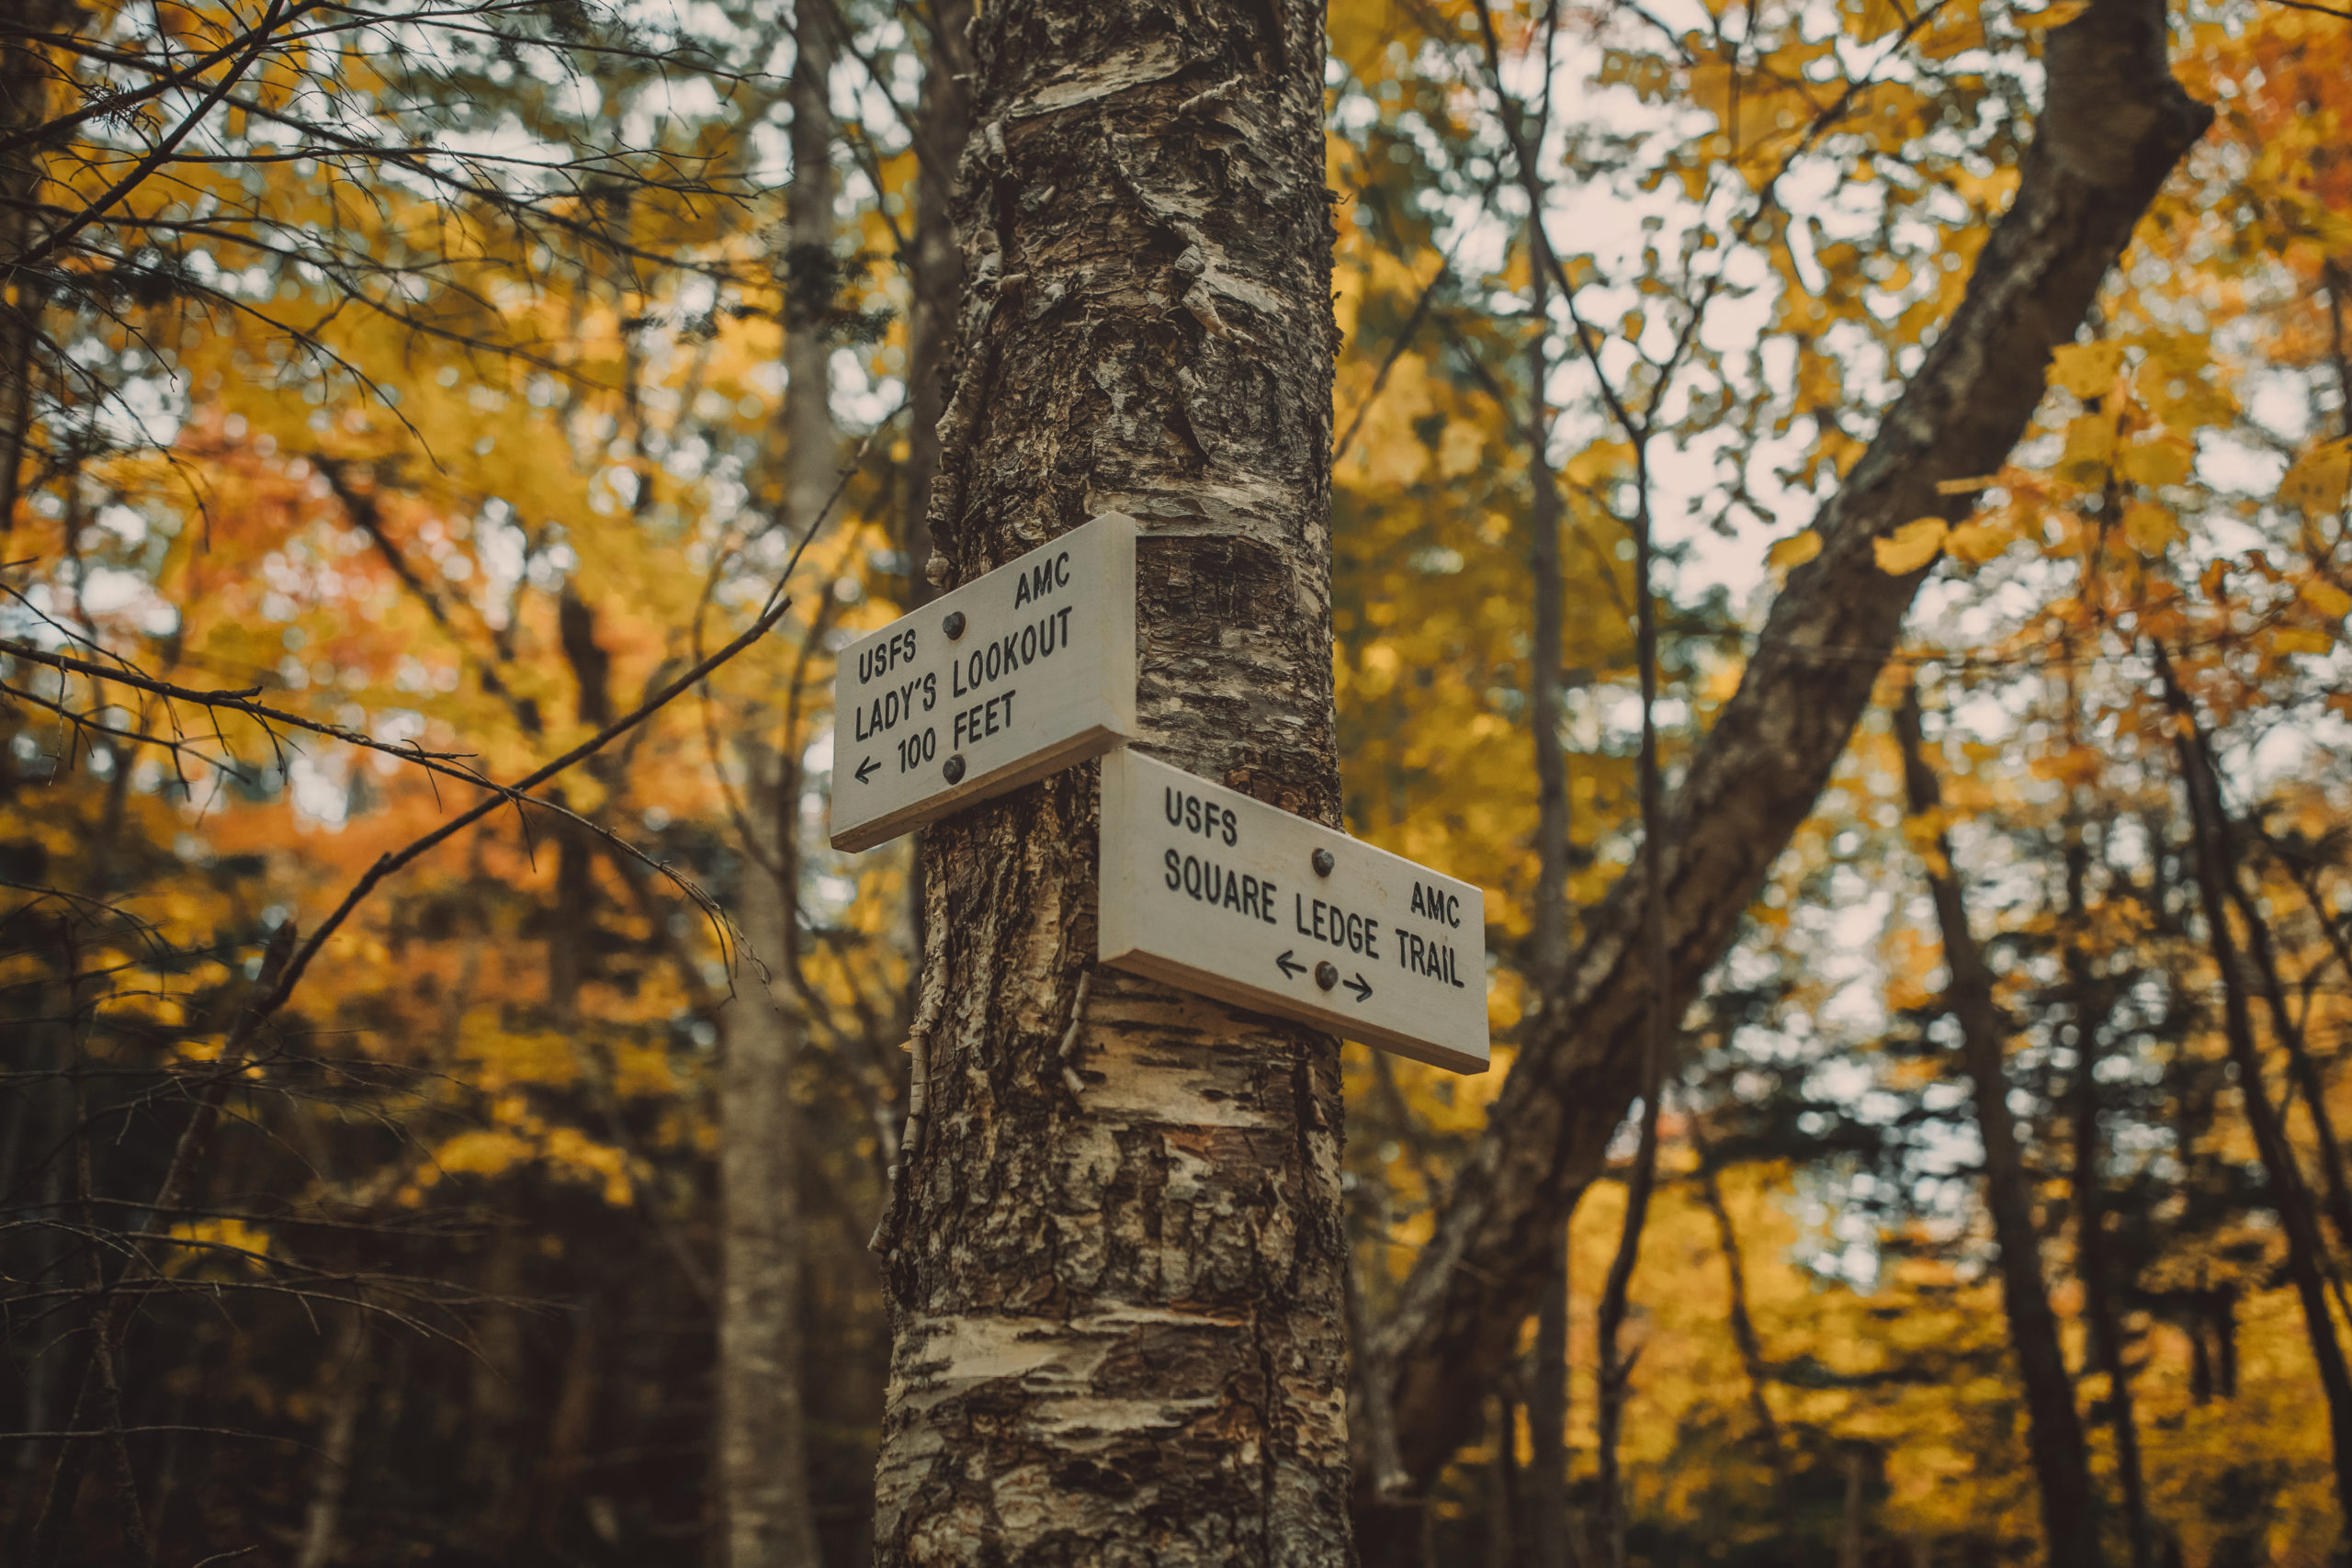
x=1015, y=675
x=1205, y=888
x=1031, y=668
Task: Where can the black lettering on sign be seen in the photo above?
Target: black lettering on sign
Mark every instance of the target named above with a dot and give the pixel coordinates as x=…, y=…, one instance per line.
x=884, y=712
x=1219, y=885
x=1014, y=651
x=878, y=660
x=1194, y=815
x=983, y=719
x=1340, y=927
x=1042, y=579
x=1435, y=904
x=1431, y=960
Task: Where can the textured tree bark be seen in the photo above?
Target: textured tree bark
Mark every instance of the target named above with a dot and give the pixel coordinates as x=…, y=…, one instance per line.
x=762, y=1445
x=2062, y=1465
x=1114, y=1259
x=2114, y=124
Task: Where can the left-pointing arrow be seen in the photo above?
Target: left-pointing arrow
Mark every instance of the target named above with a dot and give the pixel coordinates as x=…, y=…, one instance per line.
x=1358, y=985
x=1288, y=966
x=866, y=767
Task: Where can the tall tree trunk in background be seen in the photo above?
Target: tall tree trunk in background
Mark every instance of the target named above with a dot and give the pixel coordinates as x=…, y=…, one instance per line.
x=2062, y=1467
x=2302, y=1066
x=935, y=275
x=2113, y=126
x=935, y=284
x=762, y=1455
x=811, y=270
x=2091, y=1004
x=1114, y=1261
x=1853, y=1526
x=762, y=1445
x=1547, y=1390
x=2283, y=1179
x=347, y=1369
x=1751, y=1350
x=25, y=102
x=1502, y=1487
x=1546, y=1487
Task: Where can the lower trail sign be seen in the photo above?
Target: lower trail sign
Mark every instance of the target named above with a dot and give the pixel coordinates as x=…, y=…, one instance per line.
x=1205, y=888
x=1017, y=674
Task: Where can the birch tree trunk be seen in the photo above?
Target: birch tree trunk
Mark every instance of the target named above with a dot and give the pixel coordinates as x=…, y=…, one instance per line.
x=763, y=1449
x=762, y=1446
x=1115, y=1258
x=2112, y=127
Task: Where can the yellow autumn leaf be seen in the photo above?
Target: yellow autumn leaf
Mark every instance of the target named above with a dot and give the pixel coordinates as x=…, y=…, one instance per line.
x=2300, y=640
x=218, y=1243
x=2317, y=482
x=2090, y=442
x=2326, y=598
x=1910, y=547
x=2149, y=527
x=1795, y=550
x=2162, y=461
x=1869, y=20
x=1977, y=543
x=478, y=1153
x=2087, y=369
x=1957, y=28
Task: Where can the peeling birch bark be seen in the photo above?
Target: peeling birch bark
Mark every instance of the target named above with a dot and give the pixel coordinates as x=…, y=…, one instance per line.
x=1115, y=1263
x=2114, y=125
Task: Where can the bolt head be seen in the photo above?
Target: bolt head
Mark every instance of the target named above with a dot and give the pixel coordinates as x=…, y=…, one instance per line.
x=1326, y=974
x=954, y=769
x=1323, y=863
x=954, y=625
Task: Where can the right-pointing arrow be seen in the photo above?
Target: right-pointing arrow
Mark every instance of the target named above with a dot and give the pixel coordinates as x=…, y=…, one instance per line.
x=1361, y=988
x=1290, y=969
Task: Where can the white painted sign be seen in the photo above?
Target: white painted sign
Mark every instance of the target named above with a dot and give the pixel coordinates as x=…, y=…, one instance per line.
x=1014, y=675
x=1208, y=889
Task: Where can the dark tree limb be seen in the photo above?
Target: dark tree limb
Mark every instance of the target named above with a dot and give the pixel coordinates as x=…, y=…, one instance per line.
x=2114, y=125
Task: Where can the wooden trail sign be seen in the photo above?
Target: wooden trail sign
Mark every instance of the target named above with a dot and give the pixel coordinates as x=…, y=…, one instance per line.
x=1017, y=674
x=1205, y=888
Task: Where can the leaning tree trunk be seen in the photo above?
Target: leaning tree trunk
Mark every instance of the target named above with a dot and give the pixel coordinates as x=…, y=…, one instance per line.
x=1115, y=1258
x=2114, y=125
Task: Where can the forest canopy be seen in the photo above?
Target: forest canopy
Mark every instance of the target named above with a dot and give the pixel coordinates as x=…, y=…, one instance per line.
x=443, y=448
